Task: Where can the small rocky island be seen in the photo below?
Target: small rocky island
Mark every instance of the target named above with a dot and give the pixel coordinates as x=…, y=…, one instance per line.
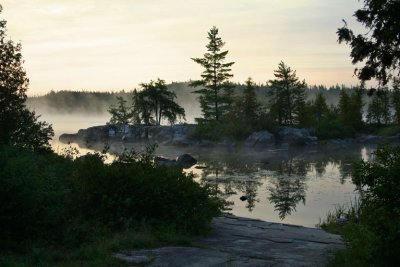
x=181, y=135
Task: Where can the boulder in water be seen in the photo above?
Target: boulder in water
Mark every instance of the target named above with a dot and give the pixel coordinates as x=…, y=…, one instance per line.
x=186, y=159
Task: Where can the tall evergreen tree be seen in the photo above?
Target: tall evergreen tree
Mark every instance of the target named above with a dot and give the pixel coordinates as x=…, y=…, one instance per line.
x=344, y=107
x=19, y=126
x=379, y=108
x=287, y=95
x=321, y=109
x=216, y=94
x=251, y=108
x=350, y=108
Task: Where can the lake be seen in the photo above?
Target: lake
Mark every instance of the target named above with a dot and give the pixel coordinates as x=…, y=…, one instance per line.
x=287, y=185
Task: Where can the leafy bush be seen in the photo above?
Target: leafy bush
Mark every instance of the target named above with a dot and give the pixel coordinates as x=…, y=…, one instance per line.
x=33, y=191
x=48, y=197
x=379, y=183
x=374, y=234
x=124, y=193
x=329, y=129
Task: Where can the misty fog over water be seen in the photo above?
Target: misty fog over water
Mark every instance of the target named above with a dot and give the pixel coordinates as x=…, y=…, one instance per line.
x=297, y=186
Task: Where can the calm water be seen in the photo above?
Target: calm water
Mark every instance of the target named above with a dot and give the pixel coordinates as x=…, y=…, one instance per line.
x=297, y=186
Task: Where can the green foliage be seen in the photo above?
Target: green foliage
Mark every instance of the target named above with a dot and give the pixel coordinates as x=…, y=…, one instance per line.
x=247, y=107
x=350, y=108
x=373, y=230
x=287, y=96
x=149, y=106
x=18, y=125
x=215, y=96
x=120, y=114
x=396, y=103
x=123, y=193
x=33, y=194
x=50, y=198
x=378, y=49
x=379, y=108
x=156, y=98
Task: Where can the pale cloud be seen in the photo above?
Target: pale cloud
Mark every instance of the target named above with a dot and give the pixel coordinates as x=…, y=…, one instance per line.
x=104, y=45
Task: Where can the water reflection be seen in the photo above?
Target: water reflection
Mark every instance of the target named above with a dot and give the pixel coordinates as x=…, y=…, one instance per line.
x=291, y=185
x=286, y=192
x=282, y=180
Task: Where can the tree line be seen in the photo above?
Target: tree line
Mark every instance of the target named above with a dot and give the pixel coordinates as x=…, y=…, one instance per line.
x=283, y=101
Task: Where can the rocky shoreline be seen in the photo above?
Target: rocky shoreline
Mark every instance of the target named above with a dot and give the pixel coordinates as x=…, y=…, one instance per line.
x=239, y=241
x=181, y=135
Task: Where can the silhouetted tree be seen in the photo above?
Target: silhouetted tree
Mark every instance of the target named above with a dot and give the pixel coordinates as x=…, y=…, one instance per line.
x=161, y=102
x=120, y=114
x=320, y=108
x=216, y=94
x=18, y=125
x=149, y=106
x=350, y=109
x=250, y=106
x=378, y=49
x=379, y=108
x=287, y=95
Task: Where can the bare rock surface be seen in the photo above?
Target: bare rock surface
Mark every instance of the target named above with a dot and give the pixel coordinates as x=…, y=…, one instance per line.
x=238, y=241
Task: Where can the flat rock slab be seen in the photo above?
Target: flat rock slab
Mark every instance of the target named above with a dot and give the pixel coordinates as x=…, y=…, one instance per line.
x=238, y=241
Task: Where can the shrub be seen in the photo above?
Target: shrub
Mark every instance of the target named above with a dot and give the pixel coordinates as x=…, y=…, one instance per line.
x=32, y=195
x=46, y=197
x=374, y=234
x=379, y=184
x=124, y=193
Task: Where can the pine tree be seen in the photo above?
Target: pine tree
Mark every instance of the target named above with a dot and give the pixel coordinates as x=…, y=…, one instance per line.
x=251, y=108
x=320, y=107
x=120, y=114
x=216, y=94
x=287, y=96
x=19, y=126
x=379, y=108
x=350, y=109
x=344, y=107
x=161, y=102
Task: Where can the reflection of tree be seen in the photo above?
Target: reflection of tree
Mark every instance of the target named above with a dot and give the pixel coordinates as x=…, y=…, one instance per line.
x=286, y=192
x=320, y=167
x=249, y=189
x=289, y=187
x=291, y=166
x=233, y=178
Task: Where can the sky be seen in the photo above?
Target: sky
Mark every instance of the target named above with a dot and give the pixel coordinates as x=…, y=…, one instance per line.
x=103, y=45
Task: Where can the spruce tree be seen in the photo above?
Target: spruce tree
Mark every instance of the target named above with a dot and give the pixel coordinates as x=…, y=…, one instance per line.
x=216, y=93
x=287, y=96
x=379, y=108
x=321, y=110
x=251, y=108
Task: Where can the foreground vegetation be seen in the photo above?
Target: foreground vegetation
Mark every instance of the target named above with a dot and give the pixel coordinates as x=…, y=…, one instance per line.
x=372, y=232
x=52, y=204
x=59, y=210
